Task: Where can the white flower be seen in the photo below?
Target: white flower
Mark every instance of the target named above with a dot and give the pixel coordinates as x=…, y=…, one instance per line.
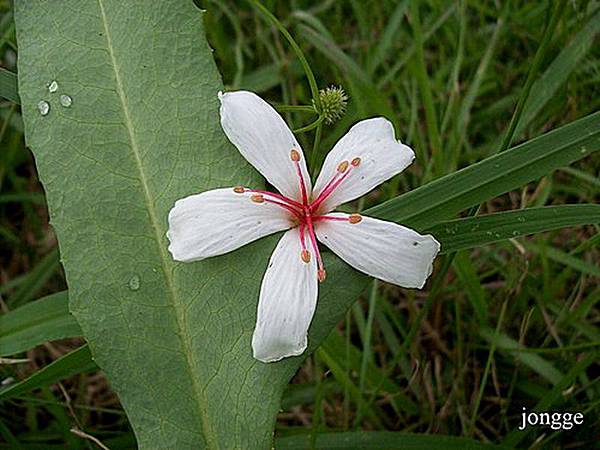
x=222, y=220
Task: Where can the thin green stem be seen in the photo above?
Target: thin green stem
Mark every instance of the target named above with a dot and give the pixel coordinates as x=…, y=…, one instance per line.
x=535, y=67
x=487, y=369
x=367, y=351
x=311, y=126
x=312, y=82
x=316, y=420
x=315, y=151
x=420, y=72
x=295, y=108
x=416, y=325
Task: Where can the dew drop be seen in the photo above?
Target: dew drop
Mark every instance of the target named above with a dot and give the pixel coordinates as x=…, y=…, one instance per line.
x=134, y=283
x=53, y=86
x=516, y=233
x=497, y=235
x=521, y=219
x=66, y=100
x=489, y=233
x=43, y=107
x=583, y=149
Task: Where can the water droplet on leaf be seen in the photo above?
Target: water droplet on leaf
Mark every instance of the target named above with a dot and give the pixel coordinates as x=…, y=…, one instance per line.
x=43, y=107
x=53, y=86
x=66, y=100
x=516, y=233
x=134, y=283
x=521, y=219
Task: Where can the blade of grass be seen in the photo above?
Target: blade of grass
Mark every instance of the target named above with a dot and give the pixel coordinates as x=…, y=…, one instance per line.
x=511, y=347
x=366, y=350
x=459, y=234
x=420, y=72
x=445, y=197
x=564, y=258
x=388, y=37
x=8, y=86
x=554, y=396
x=36, y=279
x=78, y=361
x=37, y=322
x=535, y=66
x=486, y=371
x=559, y=71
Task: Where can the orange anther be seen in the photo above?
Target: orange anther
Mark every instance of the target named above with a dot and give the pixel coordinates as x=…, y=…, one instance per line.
x=354, y=218
x=355, y=162
x=321, y=275
x=294, y=155
x=305, y=255
x=257, y=198
x=342, y=167
x=238, y=189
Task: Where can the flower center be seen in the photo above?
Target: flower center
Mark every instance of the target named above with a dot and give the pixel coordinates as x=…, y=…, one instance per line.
x=306, y=212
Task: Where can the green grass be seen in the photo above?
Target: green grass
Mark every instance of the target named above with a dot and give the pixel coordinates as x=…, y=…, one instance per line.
x=512, y=324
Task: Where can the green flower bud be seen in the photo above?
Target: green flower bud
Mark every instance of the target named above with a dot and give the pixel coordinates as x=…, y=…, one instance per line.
x=333, y=103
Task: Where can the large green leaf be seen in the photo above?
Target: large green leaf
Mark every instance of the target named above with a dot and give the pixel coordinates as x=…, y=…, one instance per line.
x=142, y=131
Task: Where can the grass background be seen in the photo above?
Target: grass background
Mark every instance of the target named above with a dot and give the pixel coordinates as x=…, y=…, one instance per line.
x=448, y=74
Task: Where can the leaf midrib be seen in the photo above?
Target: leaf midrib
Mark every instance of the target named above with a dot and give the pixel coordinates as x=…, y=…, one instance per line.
x=200, y=401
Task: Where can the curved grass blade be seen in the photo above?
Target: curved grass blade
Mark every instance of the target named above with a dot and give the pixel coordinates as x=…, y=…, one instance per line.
x=553, y=397
x=8, y=86
x=78, y=361
x=43, y=320
x=476, y=231
x=447, y=196
x=558, y=72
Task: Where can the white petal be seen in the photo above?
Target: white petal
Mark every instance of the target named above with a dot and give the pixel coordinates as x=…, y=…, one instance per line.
x=219, y=221
x=382, y=157
x=384, y=250
x=288, y=297
x=264, y=139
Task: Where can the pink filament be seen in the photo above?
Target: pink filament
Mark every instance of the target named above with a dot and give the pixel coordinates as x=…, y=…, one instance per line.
x=291, y=209
x=302, y=185
x=304, y=212
x=313, y=240
x=329, y=188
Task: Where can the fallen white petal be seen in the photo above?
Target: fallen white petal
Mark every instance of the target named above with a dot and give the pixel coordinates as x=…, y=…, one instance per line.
x=384, y=250
x=382, y=157
x=219, y=221
x=264, y=139
x=288, y=297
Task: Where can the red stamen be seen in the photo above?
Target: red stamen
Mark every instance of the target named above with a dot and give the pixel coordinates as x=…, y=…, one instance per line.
x=339, y=219
x=327, y=191
x=291, y=209
x=283, y=198
x=313, y=240
x=295, y=156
